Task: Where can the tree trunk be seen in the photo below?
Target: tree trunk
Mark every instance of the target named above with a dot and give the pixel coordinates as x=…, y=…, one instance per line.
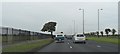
x=107, y=35
x=102, y=35
x=52, y=34
x=118, y=36
x=98, y=36
x=113, y=34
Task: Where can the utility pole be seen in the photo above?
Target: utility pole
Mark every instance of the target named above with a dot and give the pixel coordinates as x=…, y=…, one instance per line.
x=98, y=21
x=74, y=26
x=83, y=19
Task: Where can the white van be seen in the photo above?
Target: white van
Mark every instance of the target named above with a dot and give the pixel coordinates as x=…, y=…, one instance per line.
x=79, y=38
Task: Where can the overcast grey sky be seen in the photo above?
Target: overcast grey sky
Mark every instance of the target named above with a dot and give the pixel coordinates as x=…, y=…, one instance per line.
x=33, y=15
x=60, y=0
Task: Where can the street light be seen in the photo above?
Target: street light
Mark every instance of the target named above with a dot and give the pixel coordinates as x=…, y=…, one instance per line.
x=73, y=26
x=83, y=19
x=98, y=20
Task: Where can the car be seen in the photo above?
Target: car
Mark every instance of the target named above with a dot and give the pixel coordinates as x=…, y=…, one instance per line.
x=79, y=38
x=59, y=38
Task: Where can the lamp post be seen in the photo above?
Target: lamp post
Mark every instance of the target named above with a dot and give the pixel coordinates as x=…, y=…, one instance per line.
x=99, y=20
x=74, y=26
x=83, y=19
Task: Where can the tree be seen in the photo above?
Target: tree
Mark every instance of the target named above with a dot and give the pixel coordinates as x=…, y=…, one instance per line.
x=49, y=27
x=97, y=33
x=92, y=33
x=113, y=31
x=107, y=31
x=101, y=33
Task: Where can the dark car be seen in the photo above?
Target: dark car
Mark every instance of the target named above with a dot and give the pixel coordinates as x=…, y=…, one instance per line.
x=59, y=38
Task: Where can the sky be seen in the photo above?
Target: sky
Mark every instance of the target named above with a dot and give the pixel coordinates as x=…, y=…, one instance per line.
x=60, y=0
x=33, y=15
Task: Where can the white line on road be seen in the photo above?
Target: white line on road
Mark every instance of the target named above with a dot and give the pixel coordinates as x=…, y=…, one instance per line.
x=68, y=43
x=70, y=46
x=98, y=46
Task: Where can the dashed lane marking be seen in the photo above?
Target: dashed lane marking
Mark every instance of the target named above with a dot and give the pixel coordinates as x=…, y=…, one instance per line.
x=70, y=46
x=98, y=46
x=68, y=43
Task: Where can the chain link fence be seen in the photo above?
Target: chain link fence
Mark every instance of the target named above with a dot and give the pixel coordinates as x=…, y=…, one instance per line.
x=12, y=35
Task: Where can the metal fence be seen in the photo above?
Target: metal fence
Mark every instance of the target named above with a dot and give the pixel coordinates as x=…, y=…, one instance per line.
x=12, y=35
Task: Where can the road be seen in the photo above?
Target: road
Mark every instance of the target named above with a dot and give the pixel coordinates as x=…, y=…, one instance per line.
x=90, y=46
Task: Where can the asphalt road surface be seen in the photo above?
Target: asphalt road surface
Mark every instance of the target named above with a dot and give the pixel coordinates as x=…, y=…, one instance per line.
x=90, y=46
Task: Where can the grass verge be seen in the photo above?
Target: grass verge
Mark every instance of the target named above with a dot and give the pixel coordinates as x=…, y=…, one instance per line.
x=0, y=39
x=27, y=46
x=104, y=40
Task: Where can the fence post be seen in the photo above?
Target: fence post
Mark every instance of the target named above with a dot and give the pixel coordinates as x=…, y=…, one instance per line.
x=10, y=36
x=6, y=35
x=19, y=35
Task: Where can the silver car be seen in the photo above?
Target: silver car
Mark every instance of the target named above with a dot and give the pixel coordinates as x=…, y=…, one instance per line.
x=79, y=38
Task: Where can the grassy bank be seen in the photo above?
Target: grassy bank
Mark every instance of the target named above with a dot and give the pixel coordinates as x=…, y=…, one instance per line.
x=104, y=39
x=18, y=38
x=26, y=47
x=0, y=38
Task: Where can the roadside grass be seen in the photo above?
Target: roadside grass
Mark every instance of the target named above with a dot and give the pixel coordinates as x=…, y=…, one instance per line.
x=4, y=39
x=0, y=39
x=26, y=47
x=105, y=40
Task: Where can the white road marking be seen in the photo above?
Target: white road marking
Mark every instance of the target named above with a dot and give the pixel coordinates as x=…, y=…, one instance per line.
x=98, y=46
x=70, y=46
x=68, y=43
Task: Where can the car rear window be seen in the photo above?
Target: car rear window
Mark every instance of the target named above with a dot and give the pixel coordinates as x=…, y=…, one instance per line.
x=80, y=35
x=59, y=35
